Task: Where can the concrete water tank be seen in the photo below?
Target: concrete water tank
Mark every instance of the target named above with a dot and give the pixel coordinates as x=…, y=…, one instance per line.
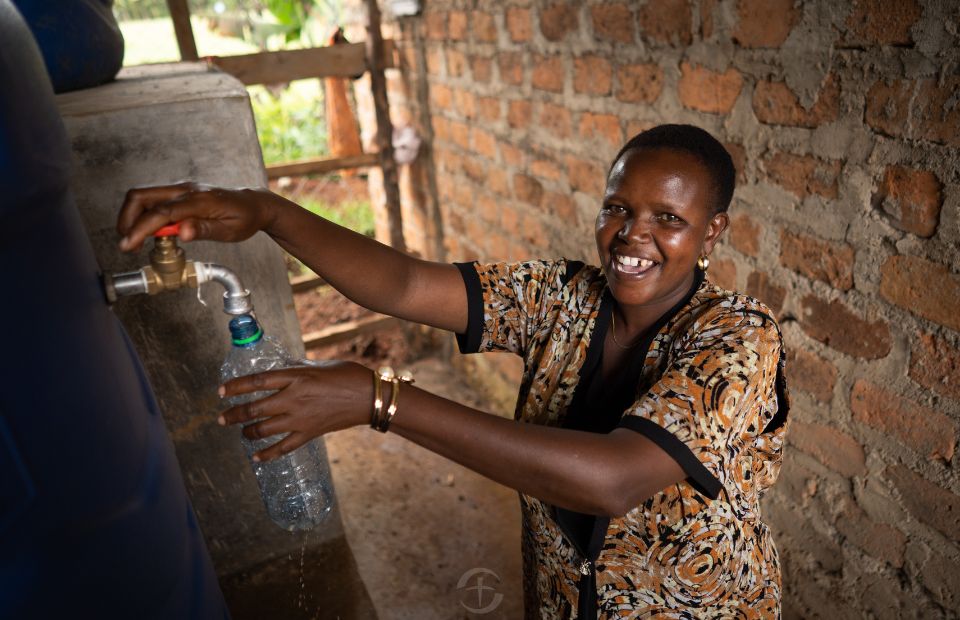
x=167, y=123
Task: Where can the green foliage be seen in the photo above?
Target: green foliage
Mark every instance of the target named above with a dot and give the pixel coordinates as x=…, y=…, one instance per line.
x=290, y=125
x=353, y=214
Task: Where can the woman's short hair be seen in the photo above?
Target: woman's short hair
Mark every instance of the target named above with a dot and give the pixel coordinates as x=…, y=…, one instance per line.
x=697, y=142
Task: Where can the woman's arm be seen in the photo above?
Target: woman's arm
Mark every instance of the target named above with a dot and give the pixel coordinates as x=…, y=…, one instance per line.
x=367, y=272
x=587, y=472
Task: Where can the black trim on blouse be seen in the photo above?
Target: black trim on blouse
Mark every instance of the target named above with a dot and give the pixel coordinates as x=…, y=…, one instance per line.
x=469, y=341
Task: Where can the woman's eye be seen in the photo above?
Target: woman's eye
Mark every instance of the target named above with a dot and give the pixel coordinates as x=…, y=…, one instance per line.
x=614, y=209
x=670, y=218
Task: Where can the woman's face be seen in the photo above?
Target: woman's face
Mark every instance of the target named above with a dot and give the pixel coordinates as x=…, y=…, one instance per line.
x=655, y=222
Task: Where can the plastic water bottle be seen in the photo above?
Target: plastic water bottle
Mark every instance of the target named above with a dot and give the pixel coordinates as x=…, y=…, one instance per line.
x=295, y=487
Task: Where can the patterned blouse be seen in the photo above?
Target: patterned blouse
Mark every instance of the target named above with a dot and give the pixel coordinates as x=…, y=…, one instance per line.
x=708, y=388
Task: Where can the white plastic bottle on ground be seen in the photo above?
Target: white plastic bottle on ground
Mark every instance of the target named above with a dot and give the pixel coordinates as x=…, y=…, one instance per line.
x=296, y=487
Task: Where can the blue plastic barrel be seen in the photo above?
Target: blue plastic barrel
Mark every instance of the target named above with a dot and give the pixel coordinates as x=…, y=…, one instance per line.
x=94, y=517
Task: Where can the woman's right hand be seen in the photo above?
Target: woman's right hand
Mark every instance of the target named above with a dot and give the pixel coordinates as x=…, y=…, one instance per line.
x=204, y=212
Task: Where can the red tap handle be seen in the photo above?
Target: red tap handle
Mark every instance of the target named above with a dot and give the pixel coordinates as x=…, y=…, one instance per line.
x=170, y=230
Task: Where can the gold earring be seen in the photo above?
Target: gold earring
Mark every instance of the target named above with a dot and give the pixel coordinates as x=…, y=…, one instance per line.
x=703, y=263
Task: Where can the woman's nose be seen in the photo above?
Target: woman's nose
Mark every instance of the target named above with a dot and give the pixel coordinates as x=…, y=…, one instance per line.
x=634, y=229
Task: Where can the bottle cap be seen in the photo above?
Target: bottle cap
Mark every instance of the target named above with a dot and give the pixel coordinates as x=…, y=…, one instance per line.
x=245, y=330
x=170, y=230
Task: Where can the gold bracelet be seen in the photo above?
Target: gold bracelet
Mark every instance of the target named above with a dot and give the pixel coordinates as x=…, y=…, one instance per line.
x=386, y=373
x=377, y=402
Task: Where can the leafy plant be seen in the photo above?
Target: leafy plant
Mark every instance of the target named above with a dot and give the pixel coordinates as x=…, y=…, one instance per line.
x=290, y=124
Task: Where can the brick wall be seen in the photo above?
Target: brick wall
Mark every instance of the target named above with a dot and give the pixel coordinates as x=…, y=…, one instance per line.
x=844, y=122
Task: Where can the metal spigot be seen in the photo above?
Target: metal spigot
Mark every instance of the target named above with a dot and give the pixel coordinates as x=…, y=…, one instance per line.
x=170, y=270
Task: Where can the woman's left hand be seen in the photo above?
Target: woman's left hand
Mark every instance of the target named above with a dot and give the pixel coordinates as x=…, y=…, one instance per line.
x=308, y=402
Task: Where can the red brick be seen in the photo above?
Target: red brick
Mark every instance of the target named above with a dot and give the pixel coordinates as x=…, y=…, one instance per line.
x=498, y=247
x=560, y=205
x=481, y=69
x=436, y=26
x=511, y=68
x=592, y=75
x=460, y=134
x=764, y=23
x=489, y=208
x=912, y=198
x=465, y=102
x=921, y=110
x=744, y=234
x=881, y=22
x=457, y=25
x=723, y=273
x=532, y=230
x=640, y=83
x=434, y=61
x=707, y=8
x=879, y=540
x=489, y=108
x=456, y=63
x=484, y=143
x=497, y=181
x=812, y=374
x=941, y=577
x=925, y=288
x=925, y=430
x=803, y=175
x=775, y=104
x=440, y=97
x=527, y=189
x=667, y=21
x=519, y=113
x=935, y=364
x=519, y=24
x=585, y=176
x=512, y=156
x=484, y=27
x=635, y=127
x=463, y=195
x=739, y=156
x=706, y=91
x=927, y=502
x=546, y=169
x=836, y=326
x=604, y=126
x=761, y=287
x=475, y=169
x=613, y=21
x=555, y=120
x=557, y=20
x=548, y=73
x=818, y=259
x=834, y=448
x=510, y=219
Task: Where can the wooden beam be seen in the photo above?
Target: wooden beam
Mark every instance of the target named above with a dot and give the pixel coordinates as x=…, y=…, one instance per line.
x=306, y=282
x=180, y=13
x=378, y=86
x=346, y=331
x=320, y=166
x=345, y=60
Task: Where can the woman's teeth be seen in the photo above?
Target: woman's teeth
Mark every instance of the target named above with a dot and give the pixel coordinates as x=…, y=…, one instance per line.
x=632, y=264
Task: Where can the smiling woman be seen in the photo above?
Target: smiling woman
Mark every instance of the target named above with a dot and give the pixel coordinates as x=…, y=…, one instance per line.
x=652, y=408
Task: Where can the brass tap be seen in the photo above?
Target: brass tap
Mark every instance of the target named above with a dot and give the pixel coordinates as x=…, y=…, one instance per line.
x=168, y=269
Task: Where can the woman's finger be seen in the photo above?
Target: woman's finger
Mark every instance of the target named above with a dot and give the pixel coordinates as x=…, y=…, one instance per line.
x=269, y=380
x=286, y=445
x=140, y=199
x=266, y=407
x=278, y=425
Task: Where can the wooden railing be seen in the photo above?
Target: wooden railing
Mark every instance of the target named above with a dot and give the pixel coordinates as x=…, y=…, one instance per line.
x=347, y=60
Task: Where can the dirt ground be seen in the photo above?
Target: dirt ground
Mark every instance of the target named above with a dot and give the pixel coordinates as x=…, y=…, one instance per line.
x=431, y=539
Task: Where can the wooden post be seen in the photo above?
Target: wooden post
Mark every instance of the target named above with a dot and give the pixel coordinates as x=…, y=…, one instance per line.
x=180, y=12
x=378, y=86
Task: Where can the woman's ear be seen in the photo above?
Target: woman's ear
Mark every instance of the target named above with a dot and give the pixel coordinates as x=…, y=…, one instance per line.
x=715, y=227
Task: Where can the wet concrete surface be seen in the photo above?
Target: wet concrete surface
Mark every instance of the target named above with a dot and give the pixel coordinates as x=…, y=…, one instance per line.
x=431, y=539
